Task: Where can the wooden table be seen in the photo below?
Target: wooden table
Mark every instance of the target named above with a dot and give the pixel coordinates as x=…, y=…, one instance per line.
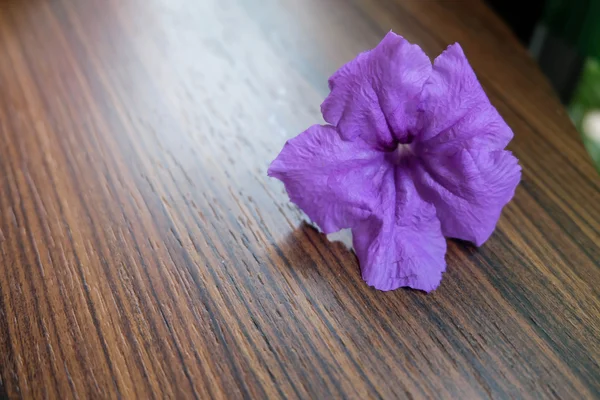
x=145, y=254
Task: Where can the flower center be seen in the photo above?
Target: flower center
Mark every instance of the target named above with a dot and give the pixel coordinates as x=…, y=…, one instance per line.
x=404, y=149
x=402, y=152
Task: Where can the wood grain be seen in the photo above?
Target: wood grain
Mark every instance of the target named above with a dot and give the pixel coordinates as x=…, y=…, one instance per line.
x=145, y=254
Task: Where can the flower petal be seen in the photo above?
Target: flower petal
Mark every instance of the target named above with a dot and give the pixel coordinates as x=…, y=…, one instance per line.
x=333, y=181
x=469, y=190
x=456, y=113
x=377, y=94
x=401, y=245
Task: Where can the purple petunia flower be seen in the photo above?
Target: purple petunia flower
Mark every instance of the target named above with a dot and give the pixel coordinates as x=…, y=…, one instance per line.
x=414, y=153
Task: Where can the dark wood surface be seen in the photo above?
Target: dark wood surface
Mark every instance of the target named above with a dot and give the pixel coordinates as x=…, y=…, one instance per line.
x=145, y=254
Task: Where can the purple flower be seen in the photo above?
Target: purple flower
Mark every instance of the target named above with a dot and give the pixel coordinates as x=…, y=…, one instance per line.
x=414, y=153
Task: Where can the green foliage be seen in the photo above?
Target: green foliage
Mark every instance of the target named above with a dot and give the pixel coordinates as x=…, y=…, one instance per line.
x=576, y=21
x=586, y=101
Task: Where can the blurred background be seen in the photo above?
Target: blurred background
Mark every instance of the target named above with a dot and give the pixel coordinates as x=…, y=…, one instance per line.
x=564, y=37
